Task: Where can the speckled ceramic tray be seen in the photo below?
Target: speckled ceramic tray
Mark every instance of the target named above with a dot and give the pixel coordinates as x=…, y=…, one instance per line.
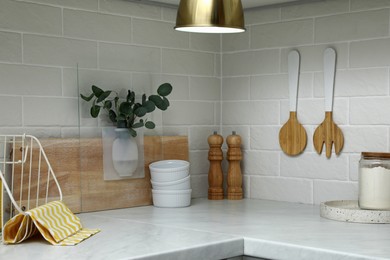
x=349, y=211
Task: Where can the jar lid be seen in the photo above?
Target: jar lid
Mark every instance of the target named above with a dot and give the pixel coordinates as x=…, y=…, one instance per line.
x=370, y=155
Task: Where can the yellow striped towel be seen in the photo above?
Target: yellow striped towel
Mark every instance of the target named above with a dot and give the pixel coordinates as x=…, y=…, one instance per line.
x=54, y=221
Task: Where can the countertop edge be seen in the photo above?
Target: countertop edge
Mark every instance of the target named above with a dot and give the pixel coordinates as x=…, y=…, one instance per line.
x=277, y=250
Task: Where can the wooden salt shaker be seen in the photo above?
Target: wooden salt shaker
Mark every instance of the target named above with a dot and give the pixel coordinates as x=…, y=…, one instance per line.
x=215, y=191
x=234, y=177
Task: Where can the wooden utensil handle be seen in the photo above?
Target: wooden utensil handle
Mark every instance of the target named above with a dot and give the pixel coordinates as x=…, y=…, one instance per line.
x=329, y=71
x=293, y=72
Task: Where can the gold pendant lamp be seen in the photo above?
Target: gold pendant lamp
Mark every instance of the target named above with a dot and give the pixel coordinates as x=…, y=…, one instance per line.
x=210, y=16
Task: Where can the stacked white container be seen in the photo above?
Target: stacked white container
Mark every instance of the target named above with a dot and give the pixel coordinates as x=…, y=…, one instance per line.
x=171, y=183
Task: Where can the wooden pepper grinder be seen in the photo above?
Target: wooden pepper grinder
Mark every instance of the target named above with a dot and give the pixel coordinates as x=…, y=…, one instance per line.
x=234, y=177
x=215, y=172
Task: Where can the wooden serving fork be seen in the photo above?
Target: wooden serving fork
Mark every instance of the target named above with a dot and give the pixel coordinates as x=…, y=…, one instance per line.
x=328, y=132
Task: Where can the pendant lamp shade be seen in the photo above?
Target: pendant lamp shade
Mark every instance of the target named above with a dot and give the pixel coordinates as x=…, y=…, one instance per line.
x=210, y=16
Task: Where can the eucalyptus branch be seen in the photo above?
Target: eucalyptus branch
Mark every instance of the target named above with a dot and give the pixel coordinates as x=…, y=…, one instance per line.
x=124, y=114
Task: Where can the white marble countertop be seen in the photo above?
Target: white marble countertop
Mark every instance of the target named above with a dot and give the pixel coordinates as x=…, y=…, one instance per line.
x=217, y=230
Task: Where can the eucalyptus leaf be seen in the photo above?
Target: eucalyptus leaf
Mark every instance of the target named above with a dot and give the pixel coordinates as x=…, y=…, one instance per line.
x=107, y=104
x=140, y=112
x=164, y=89
x=138, y=124
x=112, y=116
x=103, y=96
x=165, y=103
x=97, y=91
x=130, y=96
x=149, y=105
x=95, y=109
x=87, y=98
x=125, y=108
x=150, y=125
x=132, y=132
x=157, y=100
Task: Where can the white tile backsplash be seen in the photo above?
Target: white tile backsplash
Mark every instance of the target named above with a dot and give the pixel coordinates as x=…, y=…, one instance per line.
x=360, y=139
x=189, y=113
x=252, y=112
x=91, y=5
x=159, y=34
x=129, y=58
x=370, y=111
x=356, y=82
x=199, y=162
x=48, y=111
x=205, y=88
x=236, y=41
x=264, y=138
x=187, y=62
x=364, y=4
x=282, y=34
x=199, y=185
x=334, y=190
x=276, y=86
x=284, y=189
x=27, y=17
x=91, y=25
x=361, y=40
x=262, y=16
x=225, y=83
x=25, y=80
x=261, y=163
x=181, y=83
x=354, y=167
x=236, y=88
x=58, y=51
x=104, y=79
x=198, y=137
x=314, y=166
x=375, y=24
x=370, y=53
x=10, y=47
x=130, y=9
x=202, y=41
x=316, y=8
x=14, y=104
x=250, y=63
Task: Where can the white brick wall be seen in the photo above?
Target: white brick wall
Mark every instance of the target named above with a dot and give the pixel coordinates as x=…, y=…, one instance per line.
x=119, y=44
x=359, y=31
x=116, y=44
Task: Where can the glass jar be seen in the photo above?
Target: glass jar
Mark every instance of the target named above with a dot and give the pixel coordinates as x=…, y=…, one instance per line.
x=374, y=181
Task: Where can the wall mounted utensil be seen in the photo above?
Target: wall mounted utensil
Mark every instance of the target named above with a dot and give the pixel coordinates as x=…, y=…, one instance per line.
x=328, y=132
x=292, y=135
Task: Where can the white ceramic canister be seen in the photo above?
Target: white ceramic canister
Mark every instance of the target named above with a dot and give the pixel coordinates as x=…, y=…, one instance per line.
x=374, y=181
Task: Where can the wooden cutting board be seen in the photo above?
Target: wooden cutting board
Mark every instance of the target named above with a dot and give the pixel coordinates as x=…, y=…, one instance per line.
x=78, y=166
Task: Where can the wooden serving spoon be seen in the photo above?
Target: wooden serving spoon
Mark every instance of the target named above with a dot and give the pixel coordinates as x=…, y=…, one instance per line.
x=292, y=135
x=328, y=132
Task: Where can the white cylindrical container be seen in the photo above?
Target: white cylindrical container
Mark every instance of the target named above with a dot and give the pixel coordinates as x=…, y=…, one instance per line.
x=171, y=198
x=374, y=181
x=182, y=184
x=169, y=170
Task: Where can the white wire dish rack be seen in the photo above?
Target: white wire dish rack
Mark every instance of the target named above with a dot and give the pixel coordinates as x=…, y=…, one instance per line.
x=27, y=176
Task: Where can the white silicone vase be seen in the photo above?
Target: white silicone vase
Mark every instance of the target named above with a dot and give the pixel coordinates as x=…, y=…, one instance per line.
x=124, y=153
